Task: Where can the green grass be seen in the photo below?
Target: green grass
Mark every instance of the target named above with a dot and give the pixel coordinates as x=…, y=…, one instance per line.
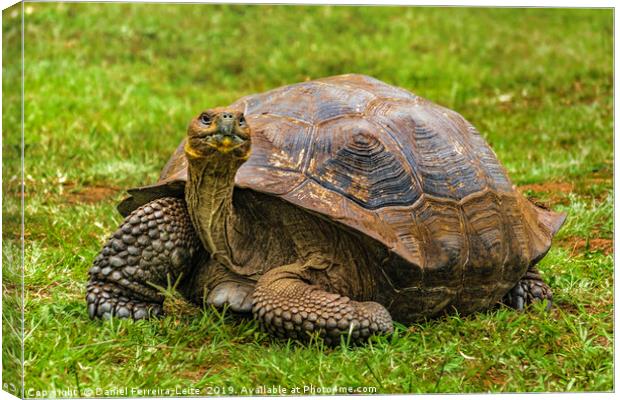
x=109, y=89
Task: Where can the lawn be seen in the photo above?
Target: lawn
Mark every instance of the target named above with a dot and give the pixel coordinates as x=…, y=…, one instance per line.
x=109, y=89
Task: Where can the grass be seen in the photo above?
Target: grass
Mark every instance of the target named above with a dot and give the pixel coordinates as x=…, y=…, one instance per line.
x=109, y=89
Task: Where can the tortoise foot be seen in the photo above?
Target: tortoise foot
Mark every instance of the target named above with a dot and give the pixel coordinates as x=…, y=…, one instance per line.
x=237, y=296
x=528, y=290
x=106, y=300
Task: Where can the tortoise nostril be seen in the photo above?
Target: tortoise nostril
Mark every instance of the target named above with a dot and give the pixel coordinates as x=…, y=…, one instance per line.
x=227, y=116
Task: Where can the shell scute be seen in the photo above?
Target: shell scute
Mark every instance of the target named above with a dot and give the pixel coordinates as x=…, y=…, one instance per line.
x=497, y=178
x=375, y=87
x=517, y=236
x=277, y=150
x=310, y=102
x=435, y=148
x=350, y=159
x=483, y=218
x=445, y=248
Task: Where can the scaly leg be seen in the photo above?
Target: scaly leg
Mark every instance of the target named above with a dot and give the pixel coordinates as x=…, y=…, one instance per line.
x=288, y=305
x=155, y=241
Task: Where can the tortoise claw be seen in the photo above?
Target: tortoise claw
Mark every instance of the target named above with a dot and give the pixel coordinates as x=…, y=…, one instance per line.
x=105, y=301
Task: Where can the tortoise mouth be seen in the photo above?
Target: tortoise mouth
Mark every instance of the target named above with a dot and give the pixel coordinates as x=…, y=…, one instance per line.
x=226, y=142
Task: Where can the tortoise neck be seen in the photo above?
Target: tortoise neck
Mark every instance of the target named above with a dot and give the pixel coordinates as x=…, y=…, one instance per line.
x=209, y=197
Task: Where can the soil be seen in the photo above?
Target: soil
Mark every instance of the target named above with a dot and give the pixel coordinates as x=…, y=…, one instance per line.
x=579, y=245
x=493, y=378
x=549, y=187
x=550, y=194
x=91, y=194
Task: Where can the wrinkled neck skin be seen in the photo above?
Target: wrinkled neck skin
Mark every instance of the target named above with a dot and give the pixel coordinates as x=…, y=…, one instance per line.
x=209, y=197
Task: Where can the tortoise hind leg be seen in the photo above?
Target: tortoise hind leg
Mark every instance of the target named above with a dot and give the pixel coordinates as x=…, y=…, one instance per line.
x=288, y=305
x=214, y=284
x=529, y=289
x=154, y=242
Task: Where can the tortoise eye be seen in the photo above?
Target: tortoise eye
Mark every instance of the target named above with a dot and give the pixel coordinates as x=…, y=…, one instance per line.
x=205, y=119
x=242, y=121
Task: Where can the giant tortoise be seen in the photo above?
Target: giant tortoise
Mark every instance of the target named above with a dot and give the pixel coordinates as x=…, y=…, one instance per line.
x=328, y=207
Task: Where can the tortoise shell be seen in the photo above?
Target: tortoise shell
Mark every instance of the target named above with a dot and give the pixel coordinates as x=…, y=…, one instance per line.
x=413, y=175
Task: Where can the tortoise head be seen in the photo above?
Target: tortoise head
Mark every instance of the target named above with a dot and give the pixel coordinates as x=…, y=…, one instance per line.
x=218, y=131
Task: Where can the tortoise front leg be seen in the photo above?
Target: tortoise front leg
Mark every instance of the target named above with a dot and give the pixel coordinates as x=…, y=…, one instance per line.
x=529, y=289
x=288, y=305
x=155, y=241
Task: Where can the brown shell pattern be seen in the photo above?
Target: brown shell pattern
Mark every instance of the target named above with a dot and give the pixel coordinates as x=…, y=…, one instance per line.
x=411, y=174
